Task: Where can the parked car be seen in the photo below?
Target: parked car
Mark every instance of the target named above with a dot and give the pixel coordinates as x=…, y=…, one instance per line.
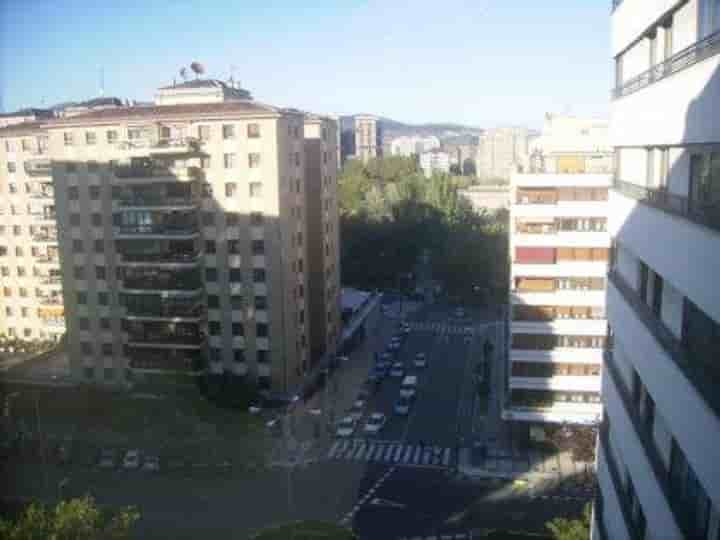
x=459, y=313
x=356, y=411
x=151, y=464
x=131, y=459
x=107, y=458
x=420, y=360
x=398, y=369
x=375, y=423
x=402, y=406
x=346, y=427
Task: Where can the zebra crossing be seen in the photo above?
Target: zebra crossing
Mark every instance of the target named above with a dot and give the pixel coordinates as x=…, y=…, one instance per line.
x=442, y=328
x=391, y=452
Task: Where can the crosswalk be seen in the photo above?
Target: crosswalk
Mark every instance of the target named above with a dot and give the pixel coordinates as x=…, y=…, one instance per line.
x=442, y=328
x=391, y=452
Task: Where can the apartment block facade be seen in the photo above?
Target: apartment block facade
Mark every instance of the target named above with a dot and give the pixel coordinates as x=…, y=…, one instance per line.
x=560, y=248
x=321, y=168
x=31, y=305
x=501, y=151
x=368, y=137
x=657, y=453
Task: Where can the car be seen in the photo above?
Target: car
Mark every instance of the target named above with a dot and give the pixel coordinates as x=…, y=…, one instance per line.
x=363, y=394
x=393, y=346
x=107, y=458
x=131, y=459
x=375, y=423
x=151, y=464
x=346, y=427
x=398, y=369
x=420, y=360
x=460, y=313
x=357, y=409
x=402, y=406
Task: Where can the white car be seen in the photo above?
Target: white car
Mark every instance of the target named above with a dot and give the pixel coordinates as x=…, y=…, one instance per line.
x=398, y=369
x=131, y=459
x=151, y=464
x=356, y=411
x=420, y=360
x=346, y=427
x=375, y=423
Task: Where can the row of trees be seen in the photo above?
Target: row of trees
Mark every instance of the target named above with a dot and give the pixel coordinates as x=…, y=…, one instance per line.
x=391, y=213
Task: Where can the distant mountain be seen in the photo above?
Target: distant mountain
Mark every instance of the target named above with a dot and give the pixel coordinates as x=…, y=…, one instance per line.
x=392, y=128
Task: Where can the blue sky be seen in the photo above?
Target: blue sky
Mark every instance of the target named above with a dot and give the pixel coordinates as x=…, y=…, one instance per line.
x=481, y=62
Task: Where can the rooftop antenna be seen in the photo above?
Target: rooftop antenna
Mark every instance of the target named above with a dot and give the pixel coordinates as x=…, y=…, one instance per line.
x=233, y=67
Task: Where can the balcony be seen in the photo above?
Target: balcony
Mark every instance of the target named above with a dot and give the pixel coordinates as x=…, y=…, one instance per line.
x=167, y=258
x=176, y=146
x=44, y=216
x=42, y=194
x=50, y=301
x=178, y=230
x=165, y=309
x=145, y=172
x=51, y=258
x=45, y=238
x=703, y=376
x=707, y=215
x=697, y=52
x=157, y=196
x=38, y=167
x=50, y=280
x=167, y=280
x=160, y=334
x=165, y=360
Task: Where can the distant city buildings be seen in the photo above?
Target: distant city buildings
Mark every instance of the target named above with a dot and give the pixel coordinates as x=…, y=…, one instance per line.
x=413, y=145
x=361, y=137
x=560, y=249
x=502, y=151
x=434, y=162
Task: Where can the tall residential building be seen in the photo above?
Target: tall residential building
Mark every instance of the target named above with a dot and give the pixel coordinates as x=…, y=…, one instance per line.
x=560, y=246
x=368, y=137
x=657, y=460
x=434, y=161
x=31, y=305
x=183, y=236
x=323, y=234
x=501, y=151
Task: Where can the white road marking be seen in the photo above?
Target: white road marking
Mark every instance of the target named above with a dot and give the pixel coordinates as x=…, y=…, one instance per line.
x=408, y=453
x=388, y=452
x=368, y=453
x=446, y=457
x=358, y=452
x=334, y=449
x=398, y=453
x=418, y=452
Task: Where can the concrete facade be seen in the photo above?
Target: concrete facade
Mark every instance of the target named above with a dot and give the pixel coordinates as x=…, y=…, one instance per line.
x=432, y=162
x=657, y=468
x=502, y=151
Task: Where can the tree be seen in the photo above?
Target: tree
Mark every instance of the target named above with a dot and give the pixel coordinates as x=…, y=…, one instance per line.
x=74, y=519
x=571, y=529
x=197, y=68
x=468, y=167
x=306, y=530
x=455, y=169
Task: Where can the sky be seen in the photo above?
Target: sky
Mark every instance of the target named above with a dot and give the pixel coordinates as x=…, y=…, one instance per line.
x=483, y=63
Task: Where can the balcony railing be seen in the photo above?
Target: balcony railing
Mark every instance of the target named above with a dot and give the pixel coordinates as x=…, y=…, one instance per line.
x=157, y=200
x=157, y=283
x=616, y=480
x=43, y=194
x=50, y=280
x=45, y=238
x=702, y=376
x=167, y=230
x=683, y=59
x=178, y=257
x=152, y=171
x=38, y=167
x=702, y=214
x=47, y=259
x=165, y=310
x=176, y=145
x=169, y=338
x=50, y=301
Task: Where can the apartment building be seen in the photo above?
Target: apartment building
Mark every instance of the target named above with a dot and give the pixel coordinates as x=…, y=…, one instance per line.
x=31, y=305
x=560, y=248
x=183, y=238
x=414, y=145
x=434, y=162
x=657, y=461
x=323, y=236
x=368, y=137
x=501, y=151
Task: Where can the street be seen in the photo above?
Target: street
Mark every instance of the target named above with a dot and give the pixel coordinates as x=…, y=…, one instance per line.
x=400, y=482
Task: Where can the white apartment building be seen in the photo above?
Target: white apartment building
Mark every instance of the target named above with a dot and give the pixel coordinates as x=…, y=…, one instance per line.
x=31, y=305
x=368, y=137
x=502, y=151
x=434, y=162
x=559, y=246
x=408, y=146
x=657, y=459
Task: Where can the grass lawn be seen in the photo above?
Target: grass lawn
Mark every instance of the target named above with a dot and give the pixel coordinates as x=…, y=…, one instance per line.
x=306, y=530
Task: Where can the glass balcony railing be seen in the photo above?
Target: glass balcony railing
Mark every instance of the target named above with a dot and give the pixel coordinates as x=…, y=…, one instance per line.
x=162, y=283
x=166, y=257
x=159, y=229
x=164, y=309
x=157, y=171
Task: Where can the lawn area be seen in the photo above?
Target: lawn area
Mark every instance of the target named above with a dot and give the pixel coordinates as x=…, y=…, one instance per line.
x=306, y=530
x=175, y=420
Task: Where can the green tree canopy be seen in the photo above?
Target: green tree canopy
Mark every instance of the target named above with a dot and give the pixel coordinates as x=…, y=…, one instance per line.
x=571, y=529
x=74, y=519
x=306, y=530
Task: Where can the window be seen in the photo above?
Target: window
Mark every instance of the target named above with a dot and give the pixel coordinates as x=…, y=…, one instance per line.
x=94, y=192
x=211, y=274
x=23, y=292
x=11, y=167
x=237, y=329
x=208, y=219
x=71, y=168
x=262, y=358
x=84, y=323
x=233, y=247
x=705, y=186
x=235, y=275
x=215, y=355
x=261, y=302
x=8, y=311
x=207, y=190
x=259, y=275
x=255, y=189
x=104, y=323
x=73, y=193
x=96, y=220
x=75, y=220
x=657, y=294
x=100, y=272
x=228, y=131
x=229, y=160
x=210, y=247
x=298, y=185
x=204, y=133
x=687, y=495
x=258, y=247
x=643, y=281
x=701, y=339
x=238, y=355
x=79, y=272
x=214, y=328
x=93, y=166
x=261, y=330
x=111, y=136
x=300, y=240
x=253, y=131
x=17, y=230
x=236, y=301
x=256, y=218
x=213, y=301
x=90, y=137
x=300, y=265
x=77, y=246
x=232, y=219
x=205, y=162
x=297, y=159
x=107, y=349
x=230, y=189
x=82, y=298
x=253, y=160
x=7, y=291
x=99, y=246
x=18, y=251
x=68, y=138
x=5, y=272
